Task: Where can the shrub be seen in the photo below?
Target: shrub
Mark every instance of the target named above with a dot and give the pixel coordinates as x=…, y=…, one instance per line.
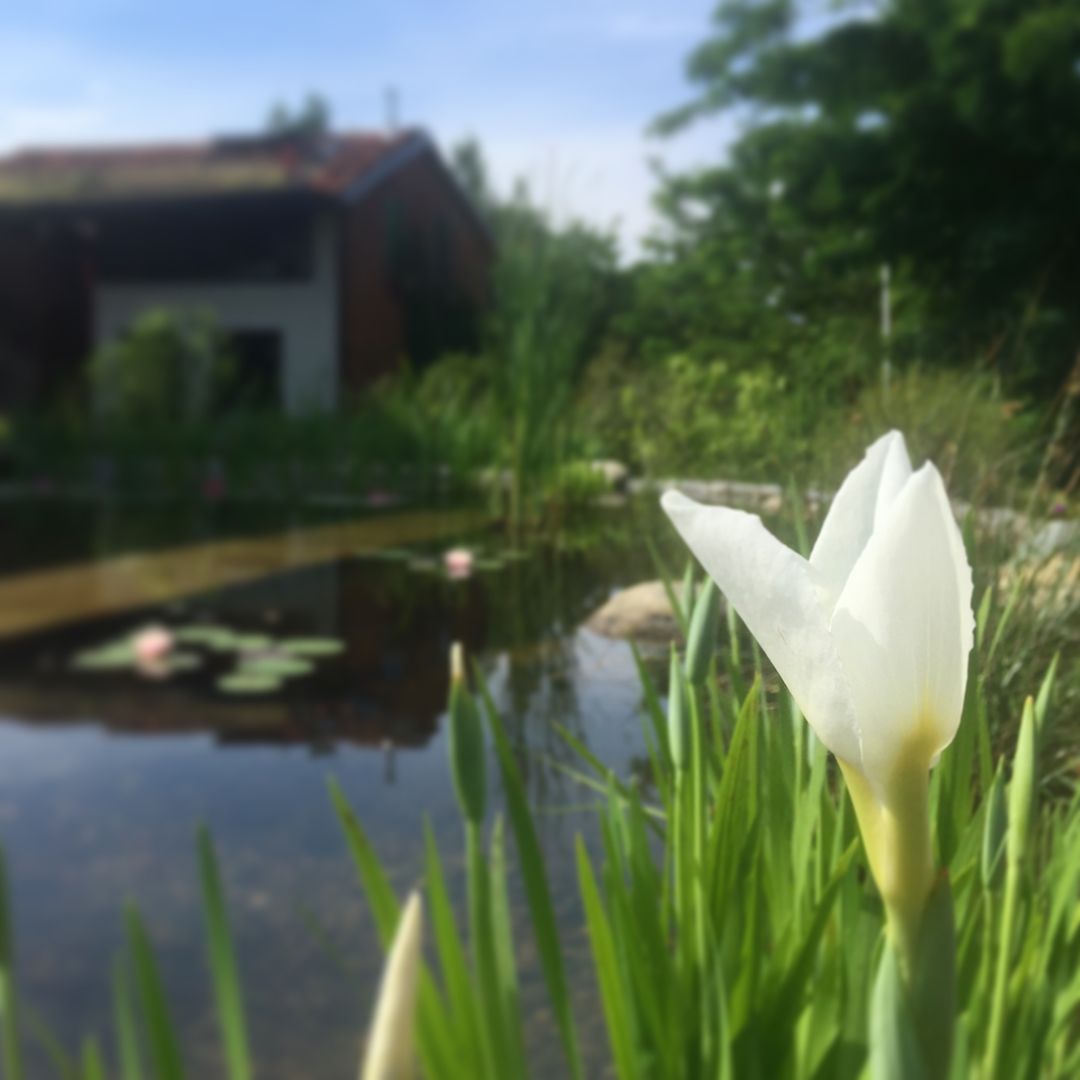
x=982, y=443
x=168, y=367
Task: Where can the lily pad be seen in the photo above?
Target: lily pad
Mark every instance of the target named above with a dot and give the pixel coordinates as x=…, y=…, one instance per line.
x=391, y=554
x=250, y=642
x=488, y=564
x=218, y=638
x=240, y=682
x=424, y=565
x=280, y=667
x=115, y=656
x=312, y=646
x=183, y=661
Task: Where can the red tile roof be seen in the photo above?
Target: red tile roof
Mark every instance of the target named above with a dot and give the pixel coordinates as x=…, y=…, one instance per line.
x=326, y=165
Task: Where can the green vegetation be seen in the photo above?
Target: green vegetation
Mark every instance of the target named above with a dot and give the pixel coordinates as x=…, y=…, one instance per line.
x=311, y=118
x=165, y=370
x=935, y=137
x=934, y=140
x=544, y=313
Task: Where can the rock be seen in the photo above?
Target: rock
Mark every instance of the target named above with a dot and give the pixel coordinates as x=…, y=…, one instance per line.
x=765, y=497
x=1052, y=537
x=1052, y=585
x=641, y=613
x=616, y=475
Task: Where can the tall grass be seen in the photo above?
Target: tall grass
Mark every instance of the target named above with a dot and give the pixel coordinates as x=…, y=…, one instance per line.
x=547, y=288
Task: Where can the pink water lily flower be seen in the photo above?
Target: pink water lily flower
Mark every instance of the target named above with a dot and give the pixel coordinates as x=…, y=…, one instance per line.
x=152, y=644
x=458, y=562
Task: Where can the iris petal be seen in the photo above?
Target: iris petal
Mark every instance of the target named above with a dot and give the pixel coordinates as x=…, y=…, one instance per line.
x=862, y=501
x=903, y=628
x=779, y=596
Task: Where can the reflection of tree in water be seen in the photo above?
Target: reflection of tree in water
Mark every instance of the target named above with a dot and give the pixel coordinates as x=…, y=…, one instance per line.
x=531, y=670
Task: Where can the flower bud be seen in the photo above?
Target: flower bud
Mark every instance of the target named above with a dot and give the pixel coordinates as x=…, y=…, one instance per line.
x=686, y=594
x=678, y=715
x=466, y=742
x=390, y=1051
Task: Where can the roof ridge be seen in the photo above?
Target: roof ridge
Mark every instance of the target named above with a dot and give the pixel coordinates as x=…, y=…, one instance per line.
x=329, y=165
x=155, y=146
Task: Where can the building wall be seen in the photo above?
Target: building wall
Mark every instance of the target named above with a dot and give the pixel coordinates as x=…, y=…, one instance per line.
x=379, y=299
x=305, y=314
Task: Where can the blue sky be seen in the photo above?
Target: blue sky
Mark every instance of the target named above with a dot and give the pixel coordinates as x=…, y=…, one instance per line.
x=560, y=92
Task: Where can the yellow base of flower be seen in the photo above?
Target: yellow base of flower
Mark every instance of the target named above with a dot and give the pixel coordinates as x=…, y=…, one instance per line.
x=895, y=827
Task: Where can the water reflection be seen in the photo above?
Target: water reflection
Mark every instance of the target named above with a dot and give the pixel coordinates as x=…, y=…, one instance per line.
x=92, y=809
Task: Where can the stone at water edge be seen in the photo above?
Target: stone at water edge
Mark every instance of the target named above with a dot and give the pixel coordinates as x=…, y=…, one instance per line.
x=639, y=613
x=1051, y=584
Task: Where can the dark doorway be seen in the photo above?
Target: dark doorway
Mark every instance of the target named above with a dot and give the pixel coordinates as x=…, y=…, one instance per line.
x=254, y=379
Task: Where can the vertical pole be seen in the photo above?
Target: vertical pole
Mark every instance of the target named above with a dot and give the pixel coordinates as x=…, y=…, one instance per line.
x=886, y=329
x=392, y=108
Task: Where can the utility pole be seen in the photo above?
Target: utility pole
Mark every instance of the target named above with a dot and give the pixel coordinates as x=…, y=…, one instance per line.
x=392, y=103
x=886, y=328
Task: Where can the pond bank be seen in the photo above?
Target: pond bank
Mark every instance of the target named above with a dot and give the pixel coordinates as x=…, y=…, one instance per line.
x=44, y=598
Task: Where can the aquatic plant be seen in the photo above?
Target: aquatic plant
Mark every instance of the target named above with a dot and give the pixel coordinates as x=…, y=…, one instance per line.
x=263, y=664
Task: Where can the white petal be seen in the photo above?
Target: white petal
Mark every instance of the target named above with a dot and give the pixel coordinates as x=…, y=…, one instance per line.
x=864, y=497
x=904, y=627
x=777, y=594
x=390, y=1047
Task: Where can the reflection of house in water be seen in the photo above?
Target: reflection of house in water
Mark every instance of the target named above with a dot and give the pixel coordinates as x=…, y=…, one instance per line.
x=328, y=259
x=390, y=684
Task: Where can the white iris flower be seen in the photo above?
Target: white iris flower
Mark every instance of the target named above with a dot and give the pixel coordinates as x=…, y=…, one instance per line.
x=871, y=634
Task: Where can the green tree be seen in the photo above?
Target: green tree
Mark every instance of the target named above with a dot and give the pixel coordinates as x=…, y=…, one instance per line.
x=167, y=368
x=467, y=163
x=309, y=119
x=942, y=137
x=554, y=288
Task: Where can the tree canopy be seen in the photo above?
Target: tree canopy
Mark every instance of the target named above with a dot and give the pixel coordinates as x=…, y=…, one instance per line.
x=939, y=136
x=310, y=118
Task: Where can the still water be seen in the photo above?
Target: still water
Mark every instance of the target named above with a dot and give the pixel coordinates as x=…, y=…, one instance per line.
x=105, y=775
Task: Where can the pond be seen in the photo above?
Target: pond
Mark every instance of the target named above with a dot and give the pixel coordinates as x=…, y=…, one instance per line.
x=105, y=774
